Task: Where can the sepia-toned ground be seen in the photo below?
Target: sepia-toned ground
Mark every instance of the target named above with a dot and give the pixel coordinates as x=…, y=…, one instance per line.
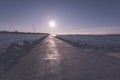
x=54, y=59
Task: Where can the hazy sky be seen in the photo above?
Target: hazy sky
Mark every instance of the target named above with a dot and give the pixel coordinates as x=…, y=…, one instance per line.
x=71, y=16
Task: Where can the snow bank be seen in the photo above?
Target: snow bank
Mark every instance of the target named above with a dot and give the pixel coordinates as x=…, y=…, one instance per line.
x=16, y=47
x=7, y=39
x=110, y=42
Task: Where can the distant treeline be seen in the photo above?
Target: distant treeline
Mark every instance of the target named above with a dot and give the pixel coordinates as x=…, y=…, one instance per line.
x=16, y=32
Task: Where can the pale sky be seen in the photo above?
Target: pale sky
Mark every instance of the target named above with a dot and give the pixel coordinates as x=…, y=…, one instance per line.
x=71, y=16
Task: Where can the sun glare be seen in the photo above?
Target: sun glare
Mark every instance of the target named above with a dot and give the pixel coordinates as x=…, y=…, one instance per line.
x=53, y=35
x=52, y=24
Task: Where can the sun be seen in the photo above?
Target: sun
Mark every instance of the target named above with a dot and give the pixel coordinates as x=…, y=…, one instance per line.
x=52, y=24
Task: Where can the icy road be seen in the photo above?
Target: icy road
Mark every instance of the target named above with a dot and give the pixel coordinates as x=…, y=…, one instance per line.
x=54, y=59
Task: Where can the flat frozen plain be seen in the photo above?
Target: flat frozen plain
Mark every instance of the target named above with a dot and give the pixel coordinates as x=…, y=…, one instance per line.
x=7, y=39
x=111, y=42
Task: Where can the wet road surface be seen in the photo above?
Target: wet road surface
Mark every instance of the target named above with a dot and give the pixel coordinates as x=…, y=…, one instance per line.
x=54, y=59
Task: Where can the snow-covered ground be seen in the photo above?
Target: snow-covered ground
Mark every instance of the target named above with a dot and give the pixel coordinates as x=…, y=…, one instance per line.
x=7, y=39
x=110, y=42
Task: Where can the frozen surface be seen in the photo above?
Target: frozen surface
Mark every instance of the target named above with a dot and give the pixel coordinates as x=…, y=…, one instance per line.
x=55, y=59
x=7, y=39
x=94, y=41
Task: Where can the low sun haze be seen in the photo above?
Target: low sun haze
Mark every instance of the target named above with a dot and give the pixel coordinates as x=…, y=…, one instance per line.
x=70, y=16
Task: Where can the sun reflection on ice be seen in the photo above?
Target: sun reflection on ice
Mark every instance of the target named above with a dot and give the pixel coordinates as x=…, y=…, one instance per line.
x=52, y=57
x=53, y=52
